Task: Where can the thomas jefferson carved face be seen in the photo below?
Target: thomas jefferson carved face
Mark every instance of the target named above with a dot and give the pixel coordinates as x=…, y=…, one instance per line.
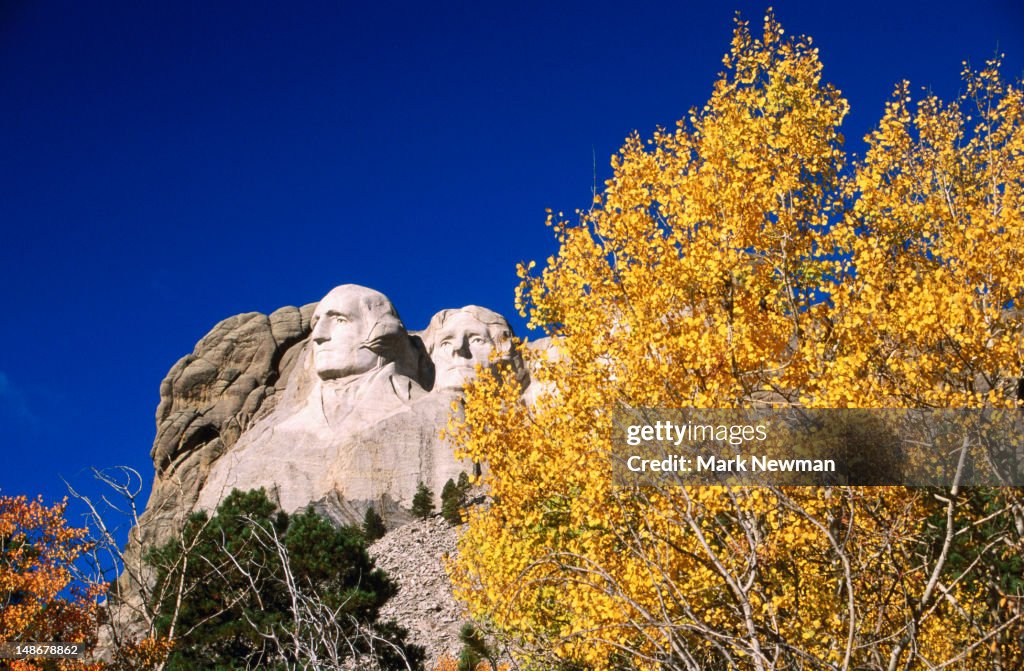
x=348, y=326
x=460, y=339
x=461, y=344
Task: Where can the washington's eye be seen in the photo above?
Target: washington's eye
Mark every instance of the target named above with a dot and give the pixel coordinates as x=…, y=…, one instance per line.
x=340, y=318
x=477, y=340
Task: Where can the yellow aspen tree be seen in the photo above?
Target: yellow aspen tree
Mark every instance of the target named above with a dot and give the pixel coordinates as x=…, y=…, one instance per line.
x=729, y=263
x=932, y=315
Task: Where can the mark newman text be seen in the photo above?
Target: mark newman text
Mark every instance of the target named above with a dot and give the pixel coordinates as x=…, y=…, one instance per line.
x=737, y=464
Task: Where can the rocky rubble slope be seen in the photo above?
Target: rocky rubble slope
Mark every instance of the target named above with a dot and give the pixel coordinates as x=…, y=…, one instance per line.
x=414, y=555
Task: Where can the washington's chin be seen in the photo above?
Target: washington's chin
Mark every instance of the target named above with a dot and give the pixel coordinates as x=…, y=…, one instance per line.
x=326, y=357
x=333, y=365
x=328, y=367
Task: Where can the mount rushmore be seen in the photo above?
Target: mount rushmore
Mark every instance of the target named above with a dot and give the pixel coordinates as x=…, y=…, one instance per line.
x=334, y=404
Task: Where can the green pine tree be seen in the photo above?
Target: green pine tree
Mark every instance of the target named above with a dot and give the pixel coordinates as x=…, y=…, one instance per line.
x=423, y=502
x=373, y=525
x=450, y=503
x=474, y=649
x=226, y=615
x=453, y=499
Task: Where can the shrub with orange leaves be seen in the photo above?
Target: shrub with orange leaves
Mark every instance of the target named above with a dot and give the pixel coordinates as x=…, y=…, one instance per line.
x=38, y=601
x=446, y=663
x=147, y=654
x=449, y=663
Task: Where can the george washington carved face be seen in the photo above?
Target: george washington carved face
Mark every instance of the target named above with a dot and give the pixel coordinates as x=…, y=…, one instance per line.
x=351, y=329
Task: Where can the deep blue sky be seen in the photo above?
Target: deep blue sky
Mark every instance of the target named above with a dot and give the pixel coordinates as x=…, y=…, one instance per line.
x=166, y=165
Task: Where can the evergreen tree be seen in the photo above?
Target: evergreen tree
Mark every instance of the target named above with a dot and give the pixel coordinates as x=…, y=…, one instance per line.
x=450, y=503
x=423, y=502
x=373, y=525
x=474, y=649
x=237, y=598
x=453, y=499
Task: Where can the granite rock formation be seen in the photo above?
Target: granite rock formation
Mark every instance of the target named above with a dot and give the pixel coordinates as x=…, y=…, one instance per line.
x=210, y=397
x=333, y=404
x=336, y=405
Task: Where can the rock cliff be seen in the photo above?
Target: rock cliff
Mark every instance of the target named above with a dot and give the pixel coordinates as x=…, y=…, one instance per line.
x=336, y=405
x=210, y=397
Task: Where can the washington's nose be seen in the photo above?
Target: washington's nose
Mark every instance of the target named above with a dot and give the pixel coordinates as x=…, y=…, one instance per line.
x=321, y=333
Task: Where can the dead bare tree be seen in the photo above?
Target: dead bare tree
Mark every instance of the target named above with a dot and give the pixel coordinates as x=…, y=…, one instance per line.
x=319, y=636
x=149, y=588
x=135, y=606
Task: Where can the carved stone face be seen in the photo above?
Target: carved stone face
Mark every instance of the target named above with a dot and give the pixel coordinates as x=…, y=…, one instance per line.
x=460, y=344
x=342, y=326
